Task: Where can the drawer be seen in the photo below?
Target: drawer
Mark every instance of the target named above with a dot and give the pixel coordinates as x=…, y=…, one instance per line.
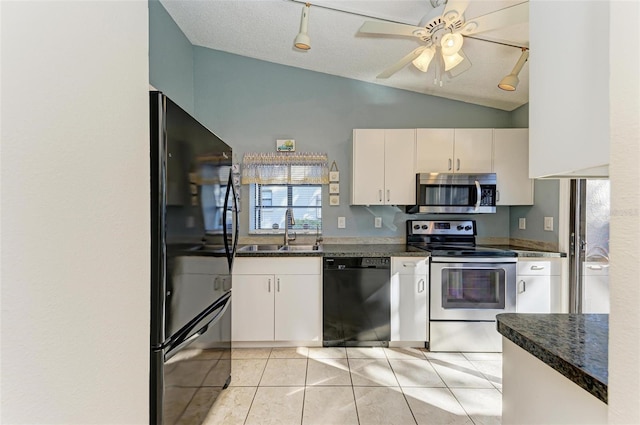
x=409, y=265
x=550, y=267
x=281, y=265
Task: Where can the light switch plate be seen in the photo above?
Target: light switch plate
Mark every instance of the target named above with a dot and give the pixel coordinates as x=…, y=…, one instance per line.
x=342, y=223
x=548, y=224
x=377, y=222
x=522, y=223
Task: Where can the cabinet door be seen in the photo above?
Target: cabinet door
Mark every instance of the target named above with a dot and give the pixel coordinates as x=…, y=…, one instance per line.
x=473, y=150
x=367, y=183
x=399, y=172
x=533, y=294
x=297, y=308
x=252, y=307
x=434, y=150
x=409, y=299
x=511, y=165
x=595, y=289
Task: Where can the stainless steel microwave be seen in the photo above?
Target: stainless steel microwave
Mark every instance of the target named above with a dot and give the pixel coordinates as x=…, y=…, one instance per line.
x=455, y=193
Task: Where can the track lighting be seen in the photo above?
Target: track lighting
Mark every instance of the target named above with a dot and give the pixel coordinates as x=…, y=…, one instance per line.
x=302, y=41
x=510, y=82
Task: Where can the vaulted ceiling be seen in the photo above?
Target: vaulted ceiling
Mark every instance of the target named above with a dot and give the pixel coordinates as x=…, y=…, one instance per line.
x=265, y=30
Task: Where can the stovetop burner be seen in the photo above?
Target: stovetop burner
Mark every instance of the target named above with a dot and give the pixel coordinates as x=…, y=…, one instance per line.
x=449, y=238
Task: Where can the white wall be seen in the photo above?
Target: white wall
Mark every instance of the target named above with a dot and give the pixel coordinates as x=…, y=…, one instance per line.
x=74, y=218
x=624, y=320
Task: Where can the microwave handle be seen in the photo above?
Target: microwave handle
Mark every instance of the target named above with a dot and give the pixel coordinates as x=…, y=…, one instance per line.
x=478, y=195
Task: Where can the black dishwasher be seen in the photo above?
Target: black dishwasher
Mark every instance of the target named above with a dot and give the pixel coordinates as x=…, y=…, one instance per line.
x=356, y=307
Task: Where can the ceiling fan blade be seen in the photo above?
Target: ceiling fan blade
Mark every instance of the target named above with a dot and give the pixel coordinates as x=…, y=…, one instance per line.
x=401, y=63
x=389, y=28
x=454, y=9
x=501, y=18
x=463, y=66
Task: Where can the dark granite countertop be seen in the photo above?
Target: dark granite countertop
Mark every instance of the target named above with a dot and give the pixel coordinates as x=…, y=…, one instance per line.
x=383, y=250
x=576, y=345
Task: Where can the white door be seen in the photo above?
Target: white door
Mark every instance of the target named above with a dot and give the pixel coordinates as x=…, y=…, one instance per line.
x=367, y=184
x=399, y=172
x=595, y=288
x=511, y=165
x=533, y=294
x=412, y=312
x=473, y=150
x=434, y=150
x=252, y=307
x=297, y=308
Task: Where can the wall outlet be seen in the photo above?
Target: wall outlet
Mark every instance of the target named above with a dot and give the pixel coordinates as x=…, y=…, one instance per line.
x=522, y=223
x=548, y=224
x=377, y=223
x=342, y=222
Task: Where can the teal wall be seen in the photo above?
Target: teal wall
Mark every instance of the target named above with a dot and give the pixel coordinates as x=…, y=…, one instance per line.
x=251, y=103
x=170, y=58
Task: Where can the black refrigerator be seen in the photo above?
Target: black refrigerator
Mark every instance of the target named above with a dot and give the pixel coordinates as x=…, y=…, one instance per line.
x=194, y=232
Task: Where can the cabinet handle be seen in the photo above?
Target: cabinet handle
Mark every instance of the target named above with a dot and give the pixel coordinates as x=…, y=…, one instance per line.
x=216, y=283
x=523, y=286
x=388, y=195
x=450, y=163
x=458, y=168
x=598, y=267
x=412, y=265
x=497, y=195
x=278, y=283
x=537, y=267
x=421, y=286
x=269, y=286
x=380, y=195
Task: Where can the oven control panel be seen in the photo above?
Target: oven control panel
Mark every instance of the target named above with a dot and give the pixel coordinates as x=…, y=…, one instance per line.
x=441, y=227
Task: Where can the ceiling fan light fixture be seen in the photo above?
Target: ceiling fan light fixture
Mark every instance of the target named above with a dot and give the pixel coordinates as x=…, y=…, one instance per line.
x=422, y=62
x=451, y=43
x=451, y=61
x=510, y=82
x=302, y=41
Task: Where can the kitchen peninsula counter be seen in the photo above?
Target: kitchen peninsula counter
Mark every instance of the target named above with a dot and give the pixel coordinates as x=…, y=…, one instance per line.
x=561, y=359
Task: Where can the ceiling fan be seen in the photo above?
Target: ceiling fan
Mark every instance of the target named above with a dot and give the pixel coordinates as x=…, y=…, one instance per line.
x=442, y=31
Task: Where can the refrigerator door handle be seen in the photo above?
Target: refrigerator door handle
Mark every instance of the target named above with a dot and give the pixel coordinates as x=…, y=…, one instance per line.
x=224, y=222
x=186, y=335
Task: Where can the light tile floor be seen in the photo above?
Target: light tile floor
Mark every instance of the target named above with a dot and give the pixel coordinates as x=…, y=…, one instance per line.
x=360, y=386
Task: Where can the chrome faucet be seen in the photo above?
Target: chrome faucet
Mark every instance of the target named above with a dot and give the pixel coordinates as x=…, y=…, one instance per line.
x=288, y=219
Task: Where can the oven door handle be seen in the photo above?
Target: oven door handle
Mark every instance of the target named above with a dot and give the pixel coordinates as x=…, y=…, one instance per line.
x=478, y=195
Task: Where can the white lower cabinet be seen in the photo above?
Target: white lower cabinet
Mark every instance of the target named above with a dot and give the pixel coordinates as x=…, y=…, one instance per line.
x=277, y=299
x=534, y=281
x=409, y=299
x=595, y=289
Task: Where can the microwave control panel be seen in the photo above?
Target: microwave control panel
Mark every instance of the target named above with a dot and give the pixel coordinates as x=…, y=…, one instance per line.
x=487, y=197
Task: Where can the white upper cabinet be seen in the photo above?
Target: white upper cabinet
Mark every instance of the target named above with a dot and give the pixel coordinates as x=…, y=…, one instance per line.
x=511, y=165
x=460, y=150
x=569, y=88
x=383, y=167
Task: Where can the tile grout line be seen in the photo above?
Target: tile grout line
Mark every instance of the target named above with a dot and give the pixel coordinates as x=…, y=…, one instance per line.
x=353, y=390
x=304, y=393
x=400, y=387
x=256, y=387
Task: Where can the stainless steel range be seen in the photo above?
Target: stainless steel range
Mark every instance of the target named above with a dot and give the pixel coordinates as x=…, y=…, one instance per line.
x=469, y=284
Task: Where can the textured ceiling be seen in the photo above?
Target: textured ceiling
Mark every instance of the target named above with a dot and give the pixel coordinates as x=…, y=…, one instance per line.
x=265, y=29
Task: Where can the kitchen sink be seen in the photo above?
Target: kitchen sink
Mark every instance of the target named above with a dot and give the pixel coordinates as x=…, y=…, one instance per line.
x=280, y=248
x=260, y=248
x=301, y=248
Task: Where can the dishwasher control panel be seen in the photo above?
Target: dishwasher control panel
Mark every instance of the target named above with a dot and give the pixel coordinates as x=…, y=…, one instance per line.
x=343, y=263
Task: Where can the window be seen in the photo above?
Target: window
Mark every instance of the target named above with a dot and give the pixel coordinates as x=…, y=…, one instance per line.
x=279, y=181
x=269, y=203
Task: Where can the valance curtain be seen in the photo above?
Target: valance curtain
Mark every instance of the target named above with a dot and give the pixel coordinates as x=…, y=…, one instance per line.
x=285, y=168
